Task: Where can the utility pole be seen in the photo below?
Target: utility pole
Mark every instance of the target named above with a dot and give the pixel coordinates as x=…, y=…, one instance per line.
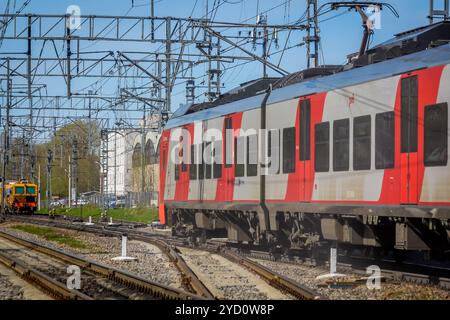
x=6, y=132
x=104, y=154
x=213, y=73
x=70, y=181
x=74, y=172
x=33, y=165
x=312, y=38
x=262, y=20
x=49, y=178
x=39, y=187
x=152, y=14
x=442, y=13
x=162, y=121
x=115, y=167
x=90, y=92
x=22, y=152
x=143, y=134
x=168, y=89
x=69, y=68
x=30, y=93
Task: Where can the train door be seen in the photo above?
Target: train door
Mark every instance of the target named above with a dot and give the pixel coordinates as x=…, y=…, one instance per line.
x=202, y=166
x=305, y=149
x=183, y=176
x=409, y=140
x=228, y=174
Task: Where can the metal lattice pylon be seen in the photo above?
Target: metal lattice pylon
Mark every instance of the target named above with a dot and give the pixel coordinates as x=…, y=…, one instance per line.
x=438, y=14
x=104, y=169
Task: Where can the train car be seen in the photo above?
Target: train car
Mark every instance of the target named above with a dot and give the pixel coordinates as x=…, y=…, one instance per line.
x=20, y=197
x=355, y=155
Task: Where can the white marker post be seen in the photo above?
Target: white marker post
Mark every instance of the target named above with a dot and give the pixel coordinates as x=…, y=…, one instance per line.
x=124, y=256
x=333, y=260
x=110, y=221
x=333, y=265
x=90, y=223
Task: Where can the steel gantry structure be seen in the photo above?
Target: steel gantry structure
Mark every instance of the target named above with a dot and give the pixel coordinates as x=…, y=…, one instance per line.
x=66, y=64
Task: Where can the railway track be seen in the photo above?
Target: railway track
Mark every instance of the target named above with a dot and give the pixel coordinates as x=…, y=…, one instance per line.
x=40, y=280
x=395, y=271
x=46, y=268
x=276, y=280
x=190, y=280
x=74, y=219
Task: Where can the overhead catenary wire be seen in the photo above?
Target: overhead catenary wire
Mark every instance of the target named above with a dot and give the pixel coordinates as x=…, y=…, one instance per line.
x=230, y=69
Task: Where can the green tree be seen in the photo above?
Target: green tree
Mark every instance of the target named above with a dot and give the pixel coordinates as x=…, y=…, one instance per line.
x=86, y=136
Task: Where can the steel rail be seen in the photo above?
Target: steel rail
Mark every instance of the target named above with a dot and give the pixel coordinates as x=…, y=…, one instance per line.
x=38, y=279
x=399, y=272
x=189, y=279
x=276, y=280
x=124, y=278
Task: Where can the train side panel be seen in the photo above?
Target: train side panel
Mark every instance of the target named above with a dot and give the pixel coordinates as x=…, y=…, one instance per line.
x=362, y=165
x=436, y=180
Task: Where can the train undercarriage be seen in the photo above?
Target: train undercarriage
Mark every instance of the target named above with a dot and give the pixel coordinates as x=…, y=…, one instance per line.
x=312, y=232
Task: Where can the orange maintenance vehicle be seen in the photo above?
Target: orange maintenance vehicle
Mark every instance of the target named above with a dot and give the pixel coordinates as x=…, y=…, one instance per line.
x=20, y=197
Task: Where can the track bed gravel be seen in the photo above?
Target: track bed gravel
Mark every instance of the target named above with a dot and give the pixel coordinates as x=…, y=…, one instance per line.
x=227, y=280
x=389, y=290
x=151, y=263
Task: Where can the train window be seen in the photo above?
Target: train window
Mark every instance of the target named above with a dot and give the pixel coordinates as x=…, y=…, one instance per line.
x=177, y=172
x=217, y=166
x=201, y=163
x=273, y=151
x=228, y=142
x=19, y=190
x=362, y=131
x=409, y=120
x=289, y=150
x=322, y=147
x=208, y=160
x=341, y=145
x=436, y=135
x=239, y=158
x=31, y=190
x=183, y=164
x=252, y=155
x=385, y=140
x=193, y=164
x=305, y=130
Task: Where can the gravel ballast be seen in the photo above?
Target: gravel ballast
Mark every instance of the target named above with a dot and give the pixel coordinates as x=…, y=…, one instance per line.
x=8, y=290
x=151, y=263
x=226, y=279
x=389, y=290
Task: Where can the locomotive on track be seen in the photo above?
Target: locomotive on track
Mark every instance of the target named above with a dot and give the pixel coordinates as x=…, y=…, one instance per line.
x=20, y=197
x=354, y=154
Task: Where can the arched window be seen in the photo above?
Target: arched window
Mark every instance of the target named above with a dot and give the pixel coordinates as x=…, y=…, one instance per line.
x=136, y=160
x=150, y=154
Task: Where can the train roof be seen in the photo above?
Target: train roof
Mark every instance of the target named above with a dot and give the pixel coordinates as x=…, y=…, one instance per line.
x=415, y=49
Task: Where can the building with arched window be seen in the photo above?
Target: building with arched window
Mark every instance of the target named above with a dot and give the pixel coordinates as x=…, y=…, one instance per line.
x=133, y=165
x=145, y=163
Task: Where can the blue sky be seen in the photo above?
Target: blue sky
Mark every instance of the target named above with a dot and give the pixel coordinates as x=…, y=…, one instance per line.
x=341, y=35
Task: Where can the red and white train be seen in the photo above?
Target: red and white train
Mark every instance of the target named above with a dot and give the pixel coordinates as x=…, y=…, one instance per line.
x=358, y=154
